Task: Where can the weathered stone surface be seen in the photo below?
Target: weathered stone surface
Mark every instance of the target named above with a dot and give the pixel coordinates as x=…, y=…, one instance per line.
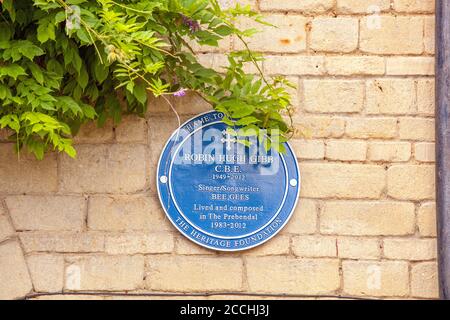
x=426, y=97
x=424, y=280
x=6, y=229
x=377, y=128
x=22, y=173
x=410, y=249
x=91, y=133
x=64, y=242
x=410, y=66
x=391, y=35
x=342, y=96
x=184, y=246
x=390, y=96
x=304, y=218
x=193, y=274
x=429, y=34
x=417, y=129
x=14, y=278
x=5, y=134
x=346, y=150
x=423, y=6
x=51, y=213
x=342, y=180
x=47, y=272
x=334, y=34
x=289, y=36
x=127, y=213
x=308, y=149
x=278, y=245
x=294, y=65
x=132, y=129
x=354, y=65
x=425, y=151
x=104, y=168
x=105, y=273
x=219, y=62
x=306, y=6
x=294, y=276
x=411, y=182
x=319, y=127
x=426, y=219
x=371, y=278
x=362, y=6
x=135, y=243
x=389, y=151
x=314, y=246
x=358, y=248
x=367, y=218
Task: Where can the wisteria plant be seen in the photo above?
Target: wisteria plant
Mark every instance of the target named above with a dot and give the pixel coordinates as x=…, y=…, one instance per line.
x=66, y=62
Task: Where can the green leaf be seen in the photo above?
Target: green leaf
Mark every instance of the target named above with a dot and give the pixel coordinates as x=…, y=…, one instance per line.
x=56, y=67
x=70, y=150
x=46, y=30
x=69, y=104
x=12, y=70
x=101, y=72
x=11, y=121
x=75, y=59
x=28, y=49
x=140, y=92
x=227, y=121
x=37, y=148
x=76, y=1
x=9, y=6
x=246, y=121
x=89, y=111
x=37, y=127
x=223, y=30
x=242, y=110
x=83, y=78
x=5, y=32
x=5, y=92
x=36, y=72
x=60, y=17
x=83, y=36
x=45, y=118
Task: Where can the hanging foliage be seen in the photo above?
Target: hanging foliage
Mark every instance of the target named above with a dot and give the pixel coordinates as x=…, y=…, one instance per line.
x=66, y=62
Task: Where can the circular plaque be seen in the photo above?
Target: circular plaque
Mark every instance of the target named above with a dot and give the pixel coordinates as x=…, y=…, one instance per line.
x=222, y=191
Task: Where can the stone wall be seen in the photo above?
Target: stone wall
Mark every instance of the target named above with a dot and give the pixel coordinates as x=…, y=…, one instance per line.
x=365, y=225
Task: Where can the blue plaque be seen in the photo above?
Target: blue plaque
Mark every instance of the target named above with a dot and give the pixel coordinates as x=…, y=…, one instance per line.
x=222, y=193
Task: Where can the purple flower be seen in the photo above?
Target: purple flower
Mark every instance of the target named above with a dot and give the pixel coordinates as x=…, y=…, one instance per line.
x=193, y=25
x=180, y=93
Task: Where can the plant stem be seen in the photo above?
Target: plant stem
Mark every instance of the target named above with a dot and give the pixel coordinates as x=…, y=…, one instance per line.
x=131, y=9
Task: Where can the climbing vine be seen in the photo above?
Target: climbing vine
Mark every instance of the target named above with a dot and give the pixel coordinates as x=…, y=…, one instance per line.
x=67, y=62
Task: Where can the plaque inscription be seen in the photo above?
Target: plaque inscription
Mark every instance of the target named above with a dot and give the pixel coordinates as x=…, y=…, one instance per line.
x=224, y=194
